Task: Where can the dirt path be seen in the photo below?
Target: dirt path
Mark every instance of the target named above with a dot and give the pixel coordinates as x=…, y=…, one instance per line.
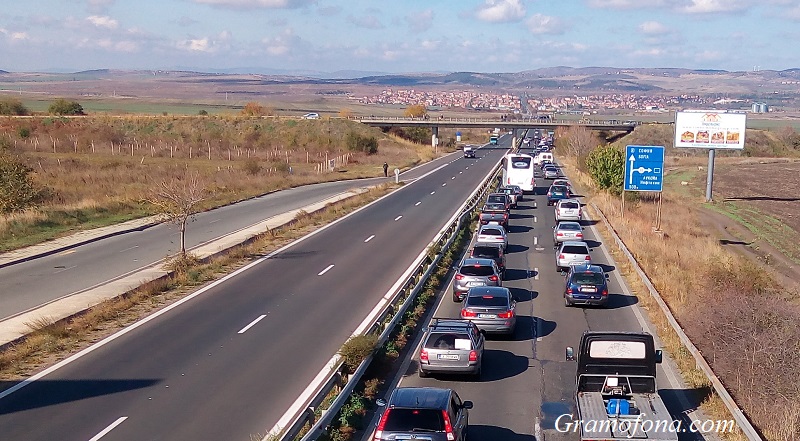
x=736, y=237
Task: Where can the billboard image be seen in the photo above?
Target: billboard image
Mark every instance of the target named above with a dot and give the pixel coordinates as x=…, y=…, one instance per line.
x=710, y=129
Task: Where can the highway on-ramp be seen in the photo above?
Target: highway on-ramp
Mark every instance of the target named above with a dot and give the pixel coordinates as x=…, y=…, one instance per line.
x=31, y=283
x=227, y=362
x=526, y=383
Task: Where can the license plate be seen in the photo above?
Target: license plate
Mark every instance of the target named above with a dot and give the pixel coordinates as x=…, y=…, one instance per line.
x=588, y=289
x=476, y=284
x=487, y=316
x=448, y=357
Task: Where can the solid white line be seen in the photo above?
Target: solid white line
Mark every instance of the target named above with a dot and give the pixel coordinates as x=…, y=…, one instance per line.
x=109, y=428
x=215, y=221
x=128, y=249
x=417, y=203
x=537, y=430
x=536, y=274
x=325, y=270
x=369, y=238
x=398, y=217
x=243, y=330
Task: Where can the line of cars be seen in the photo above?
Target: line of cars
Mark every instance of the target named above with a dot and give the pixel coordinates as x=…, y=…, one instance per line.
x=456, y=346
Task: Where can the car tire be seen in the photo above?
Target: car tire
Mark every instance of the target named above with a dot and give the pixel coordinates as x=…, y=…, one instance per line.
x=423, y=374
x=567, y=303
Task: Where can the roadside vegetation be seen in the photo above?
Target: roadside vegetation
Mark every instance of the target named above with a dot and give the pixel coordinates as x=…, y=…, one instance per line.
x=79, y=173
x=743, y=322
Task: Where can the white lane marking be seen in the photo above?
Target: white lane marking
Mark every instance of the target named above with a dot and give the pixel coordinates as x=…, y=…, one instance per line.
x=537, y=430
x=66, y=252
x=461, y=172
x=534, y=204
x=65, y=269
x=369, y=238
x=536, y=240
x=243, y=330
x=109, y=428
x=417, y=203
x=466, y=168
x=444, y=184
x=535, y=219
x=433, y=192
x=215, y=221
x=398, y=217
x=325, y=270
x=452, y=178
x=128, y=249
x=536, y=274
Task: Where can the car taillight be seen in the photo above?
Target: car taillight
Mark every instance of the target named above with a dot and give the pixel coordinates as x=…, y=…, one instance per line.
x=588, y=258
x=507, y=314
x=448, y=428
x=468, y=313
x=579, y=235
x=561, y=256
x=605, y=292
x=493, y=278
x=381, y=425
x=459, y=276
x=509, y=181
x=473, y=355
x=559, y=234
x=569, y=290
x=423, y=354
x=548, y=193
x=532, y=181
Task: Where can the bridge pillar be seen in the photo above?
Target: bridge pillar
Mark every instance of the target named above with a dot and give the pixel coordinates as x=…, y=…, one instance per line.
x=434, y=136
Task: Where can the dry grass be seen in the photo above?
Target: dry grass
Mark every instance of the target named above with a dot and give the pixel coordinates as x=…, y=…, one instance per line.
x=712, y=293
x=99, y=171
x=51, y=341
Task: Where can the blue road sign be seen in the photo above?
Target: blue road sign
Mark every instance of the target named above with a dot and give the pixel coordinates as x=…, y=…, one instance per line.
x=644, y=168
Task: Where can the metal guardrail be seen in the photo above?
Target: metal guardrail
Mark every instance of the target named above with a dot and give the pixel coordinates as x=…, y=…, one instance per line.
x=407, y=293
x=741, y=420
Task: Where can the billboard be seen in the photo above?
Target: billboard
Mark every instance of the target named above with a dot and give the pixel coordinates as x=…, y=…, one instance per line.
x=710, y=129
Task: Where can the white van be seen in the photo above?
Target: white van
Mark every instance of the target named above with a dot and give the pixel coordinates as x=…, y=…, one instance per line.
x=543, y=158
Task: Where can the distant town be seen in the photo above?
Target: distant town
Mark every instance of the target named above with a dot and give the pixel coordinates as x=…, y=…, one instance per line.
x=588, y=104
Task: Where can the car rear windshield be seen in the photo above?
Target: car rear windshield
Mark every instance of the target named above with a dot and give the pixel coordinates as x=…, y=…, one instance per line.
x=486, y=252
x=447, y=341
x=496, y=198
x=587, y=279
x=405, y=420
x=490, y=301
x=480, y=270
x=491, y=231
x=570, y=205
x=571, y=227
x=574, y=249
x=495, y=207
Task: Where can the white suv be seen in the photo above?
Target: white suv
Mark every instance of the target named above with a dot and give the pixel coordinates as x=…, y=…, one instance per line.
x=568, y=210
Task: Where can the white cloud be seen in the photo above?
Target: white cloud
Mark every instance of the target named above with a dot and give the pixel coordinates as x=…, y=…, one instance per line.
x=254, y=4
x=708, y=6
x=420, y=21
x=14, y=36
x=430, y=44
x=366, y=21
x=544, y=24
x=652, y=27
x=282, y=44
x=196, y=45
x=626, y=4
x=102, y=21
x=498, y=11
x=652, y=52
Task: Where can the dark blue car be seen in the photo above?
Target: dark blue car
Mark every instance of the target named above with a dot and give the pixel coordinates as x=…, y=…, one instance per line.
x=586, y=285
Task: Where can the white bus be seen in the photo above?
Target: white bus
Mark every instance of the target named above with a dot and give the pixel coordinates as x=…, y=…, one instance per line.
x=518, y=170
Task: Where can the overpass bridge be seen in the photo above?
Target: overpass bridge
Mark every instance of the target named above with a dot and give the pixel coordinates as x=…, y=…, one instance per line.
x=490, y=123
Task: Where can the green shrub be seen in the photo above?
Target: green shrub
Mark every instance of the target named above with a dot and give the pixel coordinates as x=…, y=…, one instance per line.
x=355, y=350
x=10, y=106
x=62, y=106
x=17, y=188
x=24, y=132
x=606, y=165
x=358, y=143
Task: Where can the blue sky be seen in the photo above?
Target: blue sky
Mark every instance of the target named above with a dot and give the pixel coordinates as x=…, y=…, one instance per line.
x=398, y=35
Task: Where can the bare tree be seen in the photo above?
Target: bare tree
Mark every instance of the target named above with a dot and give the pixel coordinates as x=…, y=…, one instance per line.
x=177, y=201
x=580, y=141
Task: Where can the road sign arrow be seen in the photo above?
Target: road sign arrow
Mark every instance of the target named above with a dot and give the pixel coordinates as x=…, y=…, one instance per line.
x=630, y=178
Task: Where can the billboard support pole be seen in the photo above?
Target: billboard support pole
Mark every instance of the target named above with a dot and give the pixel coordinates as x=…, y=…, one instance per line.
x=623, y=205
x=710, y=178
x=658, y=212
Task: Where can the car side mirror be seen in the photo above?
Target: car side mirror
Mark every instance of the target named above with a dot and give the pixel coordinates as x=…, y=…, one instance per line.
x=570, y=354
x=607, y=275
x=467, y=405
x=380, y=402
x=659, y=356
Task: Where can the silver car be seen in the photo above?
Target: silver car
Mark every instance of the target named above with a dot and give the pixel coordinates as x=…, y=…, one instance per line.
x=567, y=230
x=475, y=272
x=568, y=209
x=565, y=183
x=572, y=252
x=494, y=234
x=492, y=309
x=451, y=346
x=550, y=172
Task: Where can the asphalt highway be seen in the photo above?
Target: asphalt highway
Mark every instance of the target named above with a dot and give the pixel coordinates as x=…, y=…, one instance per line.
x=526, y=382
x=228, y=361
x=29, y=284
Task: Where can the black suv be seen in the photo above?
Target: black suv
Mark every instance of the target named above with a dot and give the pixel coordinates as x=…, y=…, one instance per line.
x=494, y=252
x=429, y=413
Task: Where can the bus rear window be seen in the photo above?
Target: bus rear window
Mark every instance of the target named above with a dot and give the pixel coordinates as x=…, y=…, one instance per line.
x=521, y=162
